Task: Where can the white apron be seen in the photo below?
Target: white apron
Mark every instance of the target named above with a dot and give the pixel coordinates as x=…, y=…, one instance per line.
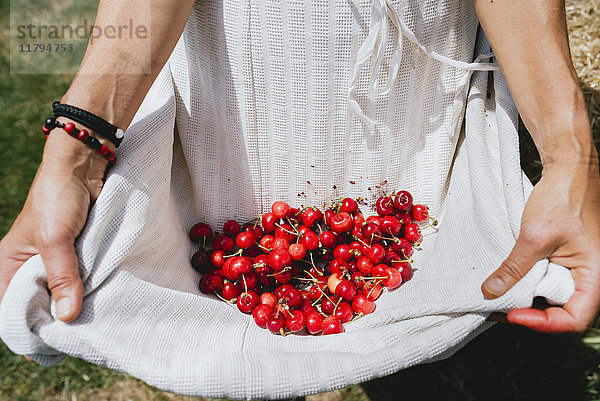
x=297, y=100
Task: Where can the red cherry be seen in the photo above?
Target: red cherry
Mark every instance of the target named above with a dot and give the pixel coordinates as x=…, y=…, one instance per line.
x=403, y=247
x=344, y=312
x=211, y=282
x=328, y=304
x=392, y=259
x=291, y=297
x=346, y=290
x=349, y=205
x=332, y=325
x=359, y=218
x=404, y=217
x=372, y=290
x=280, y=289
x=285, y=231
x=283, y=276
x=218, y=272
x=281, y=209
x=362, y=304
x=328, y=239
x=280, y=243
x=341, y=222
x=310, y=216
x=266, y=242
x=295, y=214
x=245, y=240
x=269, y=222
x=230, y=291
x=412, y=232
x=365, y=266
x=310, y=240
x=297, y=251
x=385, y=206
x=306, y=306
x=217, y=258
x=260, y=313
x=316, y=290
x=252, y=252
x=267, y=298
x=371, y=233
x=394, y=278
x=247, y=301
x=328, y=215
x=200, y=262
x=357, y=231
x=420, y=212
x=276, y=322
x=376, y=253
x=279, y=259
x=231, y=228
x=390, y=225
x=403, y=201
x=239, y=265
x=343, y=252
x=200, y=232
x=338, y=266
x=314, y=322
x=373, y=219
x=333, y=281
x=256, y=230
x=250, y=280
x=379, y=270
x=406, y=272
x=223, y=243
x=296, y=321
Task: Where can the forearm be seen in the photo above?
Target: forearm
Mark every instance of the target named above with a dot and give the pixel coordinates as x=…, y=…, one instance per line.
x=116, y=73
x=529, y=38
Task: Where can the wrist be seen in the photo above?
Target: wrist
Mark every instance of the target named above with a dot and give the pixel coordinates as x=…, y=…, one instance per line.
x=68, y=154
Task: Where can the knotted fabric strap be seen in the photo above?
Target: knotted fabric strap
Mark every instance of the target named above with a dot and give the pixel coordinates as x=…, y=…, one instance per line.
x=381, y=11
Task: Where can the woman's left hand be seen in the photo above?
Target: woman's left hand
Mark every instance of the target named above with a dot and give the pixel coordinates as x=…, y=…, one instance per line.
x=561, y=222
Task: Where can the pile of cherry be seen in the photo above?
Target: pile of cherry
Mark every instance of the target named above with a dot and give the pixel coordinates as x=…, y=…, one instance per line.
x=298, y=269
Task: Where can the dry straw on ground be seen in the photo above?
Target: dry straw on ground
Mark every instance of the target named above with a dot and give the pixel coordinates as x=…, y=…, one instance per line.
x=583, y=17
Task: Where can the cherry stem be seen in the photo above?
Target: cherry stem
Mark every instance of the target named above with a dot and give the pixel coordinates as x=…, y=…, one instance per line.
x=264, y=248
x=245, y=286
x=317, y=300
x=279, y=272
x=354, y=318
x=403, y=261
x=286, y=230
x=232, y=301
x=386, y=238
x=336, y=305
x=234, y=254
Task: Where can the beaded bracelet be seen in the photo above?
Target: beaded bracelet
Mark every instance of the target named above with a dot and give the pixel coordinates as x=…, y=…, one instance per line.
x=83, y=136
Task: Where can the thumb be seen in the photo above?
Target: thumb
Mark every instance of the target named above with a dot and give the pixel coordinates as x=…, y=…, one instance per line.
x=521, y=259
x=63, y=278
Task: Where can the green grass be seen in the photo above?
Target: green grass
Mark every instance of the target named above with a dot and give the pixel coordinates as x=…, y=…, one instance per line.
x=505, y=363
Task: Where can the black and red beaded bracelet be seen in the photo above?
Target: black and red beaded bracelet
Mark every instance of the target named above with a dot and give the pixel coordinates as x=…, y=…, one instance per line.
x=83, y=136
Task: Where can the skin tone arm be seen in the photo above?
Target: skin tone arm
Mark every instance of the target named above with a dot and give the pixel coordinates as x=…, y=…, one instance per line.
x=561, y=220
x=112, y=81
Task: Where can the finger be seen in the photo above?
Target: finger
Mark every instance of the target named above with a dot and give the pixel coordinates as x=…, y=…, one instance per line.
x=521, y=259
x=576, y=315
x=9, y=264
x=8, y=268
x=63, y=278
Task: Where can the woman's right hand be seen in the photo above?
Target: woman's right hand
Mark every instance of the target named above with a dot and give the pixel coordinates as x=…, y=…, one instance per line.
x=67, y=182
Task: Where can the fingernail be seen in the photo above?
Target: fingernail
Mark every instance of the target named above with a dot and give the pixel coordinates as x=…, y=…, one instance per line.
x=495, y=285
x=63, y=307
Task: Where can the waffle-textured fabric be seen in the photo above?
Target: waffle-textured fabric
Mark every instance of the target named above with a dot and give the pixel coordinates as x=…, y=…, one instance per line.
x=260, y=102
